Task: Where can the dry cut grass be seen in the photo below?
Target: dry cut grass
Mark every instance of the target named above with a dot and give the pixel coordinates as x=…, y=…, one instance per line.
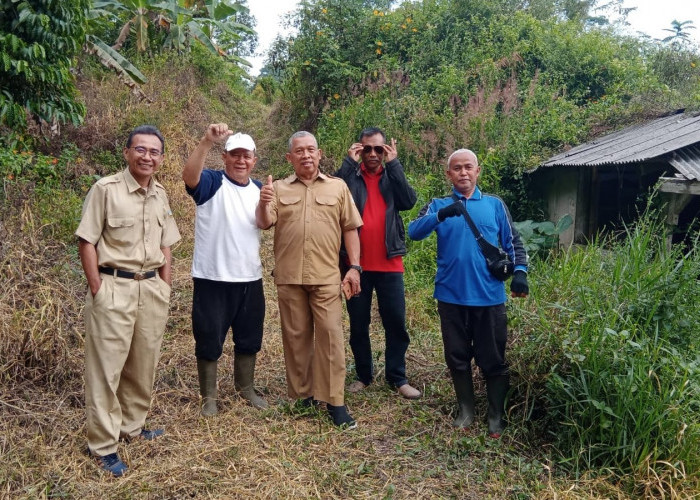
x=401, y=449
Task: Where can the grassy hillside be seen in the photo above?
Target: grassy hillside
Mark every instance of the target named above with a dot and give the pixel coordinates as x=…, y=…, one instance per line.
x=401, y=449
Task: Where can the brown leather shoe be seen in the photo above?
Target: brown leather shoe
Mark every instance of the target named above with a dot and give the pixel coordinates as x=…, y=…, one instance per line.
x=356, y=386
x=409, y=392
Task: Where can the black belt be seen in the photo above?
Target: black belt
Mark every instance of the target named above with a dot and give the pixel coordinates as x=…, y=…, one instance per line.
x=140, y=275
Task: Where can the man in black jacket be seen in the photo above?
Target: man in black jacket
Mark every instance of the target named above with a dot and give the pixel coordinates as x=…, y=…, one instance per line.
x=379, y=187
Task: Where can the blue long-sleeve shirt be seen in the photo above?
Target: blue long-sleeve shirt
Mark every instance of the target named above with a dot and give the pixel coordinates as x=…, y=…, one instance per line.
x=462, y=276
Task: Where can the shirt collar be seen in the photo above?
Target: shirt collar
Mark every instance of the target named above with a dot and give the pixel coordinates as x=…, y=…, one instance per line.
x=293, y=178
x=233, y=181
x=364, y=170
x=476, y=195
x=133, y=185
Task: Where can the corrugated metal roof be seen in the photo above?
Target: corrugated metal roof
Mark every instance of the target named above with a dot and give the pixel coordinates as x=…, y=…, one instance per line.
x=687, y=162
x=654, y=139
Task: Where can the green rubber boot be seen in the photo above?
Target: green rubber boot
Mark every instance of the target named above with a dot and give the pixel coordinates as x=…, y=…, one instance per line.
x=464, y=389
x=207, y=386
x=243, y=373
x=496, y=391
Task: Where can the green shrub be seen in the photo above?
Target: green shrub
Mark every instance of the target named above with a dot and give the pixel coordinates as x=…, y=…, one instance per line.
x=29, y=166
x=38, y=42
x=620, y=381
x=538, y=237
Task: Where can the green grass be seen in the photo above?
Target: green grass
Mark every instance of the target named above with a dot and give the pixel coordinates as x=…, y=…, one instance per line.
x=605, y=396
x=611, y=366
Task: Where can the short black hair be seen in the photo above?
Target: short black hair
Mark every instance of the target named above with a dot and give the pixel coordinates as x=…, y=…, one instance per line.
x=370, y=131
x=146, y=130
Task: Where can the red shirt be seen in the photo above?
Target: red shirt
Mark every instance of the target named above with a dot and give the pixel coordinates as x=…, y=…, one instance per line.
x=373, y=231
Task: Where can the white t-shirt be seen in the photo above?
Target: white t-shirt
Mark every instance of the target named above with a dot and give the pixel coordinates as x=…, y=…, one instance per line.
x=226, y=237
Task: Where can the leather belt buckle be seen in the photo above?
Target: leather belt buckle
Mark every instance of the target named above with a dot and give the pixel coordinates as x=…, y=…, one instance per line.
x=140, y=275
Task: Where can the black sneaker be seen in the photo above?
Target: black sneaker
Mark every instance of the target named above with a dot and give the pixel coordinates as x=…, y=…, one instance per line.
x=341, y=417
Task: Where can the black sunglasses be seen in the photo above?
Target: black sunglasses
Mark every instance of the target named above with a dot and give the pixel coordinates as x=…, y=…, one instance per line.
x=377, y=149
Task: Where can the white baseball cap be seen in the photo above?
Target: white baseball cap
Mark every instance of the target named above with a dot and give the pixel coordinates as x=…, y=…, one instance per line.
x=239, y=140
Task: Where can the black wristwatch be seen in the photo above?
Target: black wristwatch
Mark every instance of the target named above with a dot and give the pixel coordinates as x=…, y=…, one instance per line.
x=357, y=268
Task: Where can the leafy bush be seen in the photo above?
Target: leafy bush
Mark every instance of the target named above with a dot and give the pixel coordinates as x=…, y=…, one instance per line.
x=42, y=189
x=509, y=82
x=38, y=42
x=219, y=26
x=542, y=236
x=620, y=381
x=26, y=165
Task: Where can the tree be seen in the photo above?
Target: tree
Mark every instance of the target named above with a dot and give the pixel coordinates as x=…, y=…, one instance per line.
x=39, y=40
x=680, y=34
x=213, y=23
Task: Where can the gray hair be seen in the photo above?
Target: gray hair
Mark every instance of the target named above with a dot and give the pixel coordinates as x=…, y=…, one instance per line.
x=460, y=151
x=301, y=133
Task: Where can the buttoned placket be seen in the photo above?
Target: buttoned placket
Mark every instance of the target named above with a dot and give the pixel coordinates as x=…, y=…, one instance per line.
x=145, y=195
x=308, y=211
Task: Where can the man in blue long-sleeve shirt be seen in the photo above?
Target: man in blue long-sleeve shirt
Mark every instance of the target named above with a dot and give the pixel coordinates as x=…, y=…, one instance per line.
x=471, y=302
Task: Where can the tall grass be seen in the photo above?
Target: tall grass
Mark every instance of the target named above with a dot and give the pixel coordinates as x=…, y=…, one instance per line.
x=613, y=358
x=627, y=309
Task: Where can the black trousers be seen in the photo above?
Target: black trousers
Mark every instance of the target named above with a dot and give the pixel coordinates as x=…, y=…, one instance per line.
x=220, y=305
x=474, y=332
x=392, y=309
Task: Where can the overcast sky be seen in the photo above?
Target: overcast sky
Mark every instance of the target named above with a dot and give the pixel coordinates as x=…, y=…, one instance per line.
x=651, y=18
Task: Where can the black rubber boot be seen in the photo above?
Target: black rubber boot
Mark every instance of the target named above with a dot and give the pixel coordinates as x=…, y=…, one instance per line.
x=206, y=370
x=243, y=373
x=340, y=416
x=464, y=389
x=496, y=391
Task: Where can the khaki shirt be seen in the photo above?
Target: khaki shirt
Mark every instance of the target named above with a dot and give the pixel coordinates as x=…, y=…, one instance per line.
x=309, y=224
x=128, y=223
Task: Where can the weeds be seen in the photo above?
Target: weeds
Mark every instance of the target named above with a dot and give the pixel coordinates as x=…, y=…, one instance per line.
x=620, y=381
x=603, y=353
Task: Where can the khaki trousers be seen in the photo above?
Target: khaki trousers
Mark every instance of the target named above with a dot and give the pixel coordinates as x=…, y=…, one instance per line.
x=124, y=325
x=312, y=337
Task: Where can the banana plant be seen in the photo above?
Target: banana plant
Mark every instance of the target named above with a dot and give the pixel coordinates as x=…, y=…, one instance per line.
x=185, y=22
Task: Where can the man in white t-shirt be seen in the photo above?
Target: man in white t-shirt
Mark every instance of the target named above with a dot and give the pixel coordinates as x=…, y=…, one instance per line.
x=226, y=268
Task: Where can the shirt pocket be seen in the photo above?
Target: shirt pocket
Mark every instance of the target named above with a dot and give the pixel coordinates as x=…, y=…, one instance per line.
x=326, y=207
x=121, y=230
x=160, y=226
x=289, y=208
x=491, y=233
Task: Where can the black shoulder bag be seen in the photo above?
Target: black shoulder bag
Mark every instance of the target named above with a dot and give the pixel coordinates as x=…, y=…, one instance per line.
x=497, y=261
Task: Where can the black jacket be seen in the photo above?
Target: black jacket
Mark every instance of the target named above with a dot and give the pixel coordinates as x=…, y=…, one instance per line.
x=397, y=194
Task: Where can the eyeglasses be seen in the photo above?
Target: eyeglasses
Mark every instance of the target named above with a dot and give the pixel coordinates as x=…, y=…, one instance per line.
x=141, y=151
x=377, y=149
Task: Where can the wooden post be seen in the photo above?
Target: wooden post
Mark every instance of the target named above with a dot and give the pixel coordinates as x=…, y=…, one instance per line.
x=680, y=192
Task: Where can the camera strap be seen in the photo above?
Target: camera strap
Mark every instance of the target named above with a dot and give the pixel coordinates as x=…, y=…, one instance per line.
x=485, y=247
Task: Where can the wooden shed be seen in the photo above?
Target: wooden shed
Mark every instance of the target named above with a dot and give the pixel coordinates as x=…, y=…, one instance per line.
x=604, y=182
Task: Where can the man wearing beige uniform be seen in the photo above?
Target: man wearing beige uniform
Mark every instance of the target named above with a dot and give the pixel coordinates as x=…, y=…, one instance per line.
x=125, y=236
x=311, y=212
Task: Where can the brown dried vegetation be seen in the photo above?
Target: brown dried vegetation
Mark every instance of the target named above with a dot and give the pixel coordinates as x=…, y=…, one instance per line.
x=401, y=449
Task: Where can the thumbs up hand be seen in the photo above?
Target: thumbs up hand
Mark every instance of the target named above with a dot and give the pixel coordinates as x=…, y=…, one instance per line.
x=267, y=191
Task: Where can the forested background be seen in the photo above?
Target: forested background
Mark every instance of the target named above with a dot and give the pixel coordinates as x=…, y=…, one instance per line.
x=604, y=352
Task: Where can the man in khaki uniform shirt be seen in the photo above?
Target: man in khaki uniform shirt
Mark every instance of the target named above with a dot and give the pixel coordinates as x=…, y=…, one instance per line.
x=125, y=235
x=311, y=212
